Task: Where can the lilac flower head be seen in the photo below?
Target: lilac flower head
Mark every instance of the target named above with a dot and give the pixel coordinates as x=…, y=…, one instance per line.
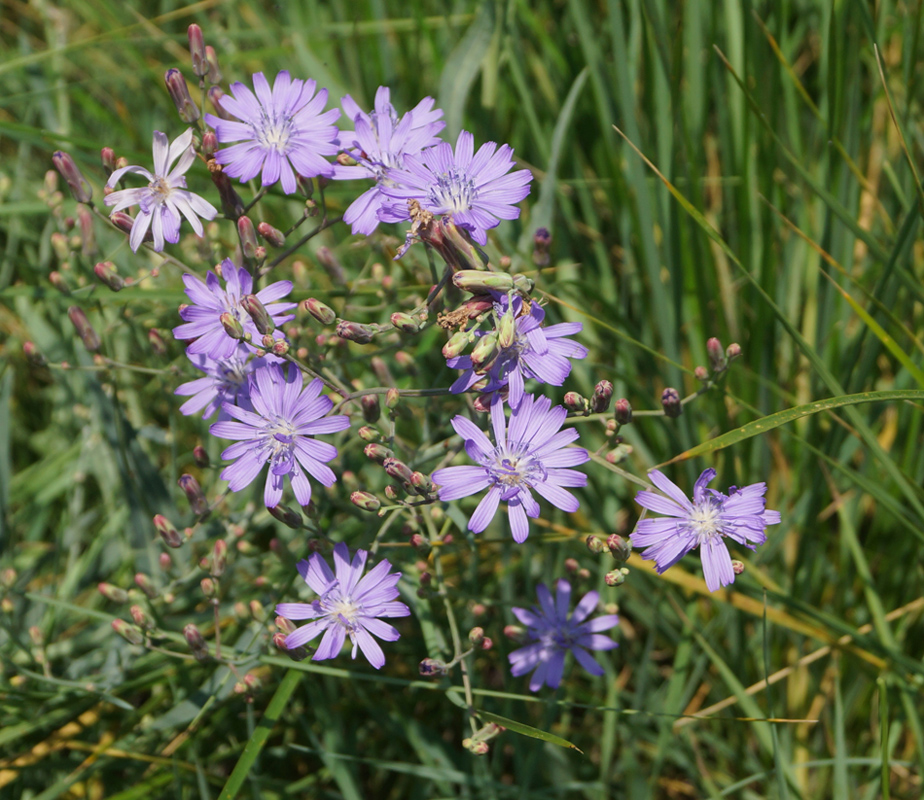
x=225, y=381
x=380, y=142
x=280, y=432
x=279, y=128
x=740, y=515
x=556, y=633
x=210, y=301
x=530, y=455
x=531, y=351
x=475, y=189
x=162, y=202
x=347, y=605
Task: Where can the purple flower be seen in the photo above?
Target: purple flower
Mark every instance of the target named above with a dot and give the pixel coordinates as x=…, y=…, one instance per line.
x=165, y=197
x=528, y=351
x=531, y=455
x=210, y=301
x=280, y=431
x=347, y=605
x=280, y=128
x=555, y=634
x=380, y=142
x=225, y=381
x=740, y=515
x=475, y=189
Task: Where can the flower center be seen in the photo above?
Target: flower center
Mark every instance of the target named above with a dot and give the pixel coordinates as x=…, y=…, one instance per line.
x=346, y=611
x=159, y=191
x=453, y=191
x=706, y=521
x=232, y=372
x=279, y=439
x=274, y=133
x=514, y=467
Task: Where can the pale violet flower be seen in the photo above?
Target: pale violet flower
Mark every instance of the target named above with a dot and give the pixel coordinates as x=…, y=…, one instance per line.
x=165, y=200
x=280, y=129
x=348, y=604
x=704, y=523
x=555, y=633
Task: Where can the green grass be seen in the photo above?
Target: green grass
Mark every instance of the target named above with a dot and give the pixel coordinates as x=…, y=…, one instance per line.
x=777, y=209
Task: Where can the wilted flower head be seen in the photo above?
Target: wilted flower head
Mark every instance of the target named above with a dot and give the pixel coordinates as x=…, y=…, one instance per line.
x=532, y=454
x=280, y=432
x=348, y=604
x=475, y=189
x=162, y=202
x=381, y=142
x=740, y=515
x=556, y=633
x=279, y=128
x=210, y=301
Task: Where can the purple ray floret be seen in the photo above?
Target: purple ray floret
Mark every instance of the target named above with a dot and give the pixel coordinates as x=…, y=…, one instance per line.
x=348, y=604
x=280, y=129
x=165, y=200
x=740, y=515
x=476, y=189
x=556, y=633
x=533, y=351
x=531, y=454
x=280, y=432
x=210, y=301
x=381, y=141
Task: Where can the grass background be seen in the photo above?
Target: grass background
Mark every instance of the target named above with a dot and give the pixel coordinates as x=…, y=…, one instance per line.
x=786, y=218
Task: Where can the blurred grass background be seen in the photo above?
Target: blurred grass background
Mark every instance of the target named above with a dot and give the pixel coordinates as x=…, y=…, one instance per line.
x=798, y=237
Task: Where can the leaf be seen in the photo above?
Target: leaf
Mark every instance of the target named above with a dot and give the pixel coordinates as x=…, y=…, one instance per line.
x=527, y=730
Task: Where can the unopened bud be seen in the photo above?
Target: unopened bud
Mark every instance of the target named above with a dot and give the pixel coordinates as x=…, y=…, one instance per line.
x=478, y=281
x=392, y=396
x=209, y=588
x=733, y=351
x=168, y=533
x=356, y=331
x=219, y=558
x=214, y=76
x=33, y=354
x=321, y=312
x=142, y=620
x=477, y=748
x=701, y=373
x=106, y=273
x=422, y=484
x=232, y=325
x=484, y=351
x=476, y=636
x=372, y=410
x=433, y=668
x=248, y=237
x=571, y=565
x=146, y=585
x=507, y=330
x=515, y=633
x=258, y=313
x=619, y=453
x=398, y=469
x=84, y=329
x=623, y=411
x=737, y=566
x=179, y=93
x=616, y=578
x=209, y=143
x=456, y=344
x=418, y=542
x=200, y=65
x=113, y=593
x=194, y=494
x=257, y=611
x=575, y=402
x=200, y=456
x=365, y=501
x=272, y=236
x=215, y=94
x=330, y=262
x=541, y=242
x=595, y=544
x=603, y=393
x=78, y=185
x=285, y=625
x=295, y=653
x=60, y=283
x=405, y=322
x=157, y=343
x=369, y=434
x=194, y=639
x=287, y=516
x=107, y=158
x=716, y=355
x=670, y=402
x=377, y=452
x=131, y=633
x=620, y=548
x=125, y=222
x=166, y=563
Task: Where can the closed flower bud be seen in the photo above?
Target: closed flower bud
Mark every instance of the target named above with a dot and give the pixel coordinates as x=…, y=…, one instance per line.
x=716, y=355
x=422, y=484
x=405, y=322
x=84, y=329
x=33, y=354
x=670, y=402
x=507, y=330
x=296, y=654
x=620, y=548
x=733, y=351
x=60, y=283
x=125, y=222
x=286, y=626
x=107, y=158
x=248, y=237
x=146, y=585
x=398, y=469
x=142, y=620
x=382, y=373
x=219, y=558
x=166, y=563
x=157, y=343
x=701, y=373
x=571, y=565
x=456, y=344
x=215, y=94
x=131, y=633
x=477, y=281
x=595, y=544
x=328, y=259
x=257, y=611
x=214, y=76
x=477, y=305
x=194, y=639
x=179, y=93
x=541, y=242
x=321, y=312
x=369, y=434
x=200, y=456
x=475, y=747
x=372, y=410
x=209, y=143
x=623, y=411
x=603, y=393
x=365, y=501
x=287, y=516
x=194, y=494
x=346, y=160
x=484, y=351
x=476, y=636
x=523, y=284
x=200, y=65
x=113, y=593
x=78, y=185
x=575, y=402
x=209, y=588
x=619, y=453
x=433, y=668
x=377, y=452
x=737, y=566
x=616, y=578
x=258, y=313
x=356, y=331
x=515, y=633
x=272, y=236
x=106, y=273
x=418, y=542
x=168, y=533
x=232, y=325
x=392, y=396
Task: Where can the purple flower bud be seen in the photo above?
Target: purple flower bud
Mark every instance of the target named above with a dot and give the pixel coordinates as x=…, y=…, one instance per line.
x=737, y=566
x=701, y=373
x=575, y=403
x=200, y=64
x=142, y=620
x=287, y=516
x=195, y=495
x=571, y=565
x=232, y=325
x=369, y=434
x=248, y=237
x=209, y=143
x=194, y=639
x=231, y=202
x=33, y=354
x=107, y=157
x=215, y=94
x=84, y=329
x=124, y=222
x=258, y=313
x=433, y=668
x=619, y=547
x=320, y=311
x=623, y=411
x=271, y=235
x=179, y=93
x=257, y=611
x=330, y=262
x=106, y=273
x=219, y=558
x=595, y=544
x=168, y=533
x=484, y=352
x=200, y=456
x=166, y=563
x=716, y=355
x=157, y=343
x=356, y=331
x=214, y=69
x=405, y=322
x=541, y=243
x=398, y=469
x=392, y=396
x=616, y=578
x=296, y=654
x=476, y=636
x=113, y=593
x=365, y=501
x=603, y=393
x=733, y=351
x=456, y=344
x=422, y=484
x=60, y=283
x=209, y=588
x=377, y=452
x=670, y=402
x=79, y=187
x=286, y=626
x=619, y=453
x=481, y=282
x=131, y=633
x=146, y=585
